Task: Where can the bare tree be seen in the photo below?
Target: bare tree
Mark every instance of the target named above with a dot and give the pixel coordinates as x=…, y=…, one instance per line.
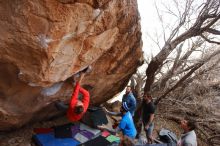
x=193, y=69
x=177, y=77
x=206, y=20
x=198, y=98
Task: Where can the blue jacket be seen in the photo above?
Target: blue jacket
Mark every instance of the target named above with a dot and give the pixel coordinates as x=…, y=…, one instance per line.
x=131, y=102
x=126, y=125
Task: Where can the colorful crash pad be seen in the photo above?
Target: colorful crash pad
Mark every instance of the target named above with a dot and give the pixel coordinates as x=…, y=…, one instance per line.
x=81, y=138
x=76, y=129
x=92, y=130
x=105, y=133
x=81, y=135
x=112, y=138
x=98, y=141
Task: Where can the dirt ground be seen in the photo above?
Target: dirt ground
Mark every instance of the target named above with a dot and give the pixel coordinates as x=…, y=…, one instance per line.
x=172, y=126
x=23, y=136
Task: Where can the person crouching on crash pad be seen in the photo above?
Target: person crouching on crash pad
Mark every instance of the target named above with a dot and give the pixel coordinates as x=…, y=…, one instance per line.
x=126, y=125
x=77, y=108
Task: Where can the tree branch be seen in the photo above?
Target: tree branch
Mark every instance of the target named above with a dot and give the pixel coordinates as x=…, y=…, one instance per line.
x=208, y=40
x=213, y=31
x=196, y=66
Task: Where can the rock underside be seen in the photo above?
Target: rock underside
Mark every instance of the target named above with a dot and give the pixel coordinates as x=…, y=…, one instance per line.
x=44, y=43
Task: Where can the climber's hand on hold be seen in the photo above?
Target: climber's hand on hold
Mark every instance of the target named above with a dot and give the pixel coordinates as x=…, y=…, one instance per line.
x=81, y=77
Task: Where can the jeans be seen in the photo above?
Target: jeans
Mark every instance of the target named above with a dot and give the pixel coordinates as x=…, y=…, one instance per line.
x=149, y=131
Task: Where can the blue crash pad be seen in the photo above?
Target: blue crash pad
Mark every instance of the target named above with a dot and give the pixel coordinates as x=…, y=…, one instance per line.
x=49, y=140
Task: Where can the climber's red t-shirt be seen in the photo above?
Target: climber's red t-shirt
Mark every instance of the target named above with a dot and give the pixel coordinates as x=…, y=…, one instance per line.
x=72, y=116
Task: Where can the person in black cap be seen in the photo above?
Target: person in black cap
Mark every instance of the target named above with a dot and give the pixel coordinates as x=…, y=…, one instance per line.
x=126, y=125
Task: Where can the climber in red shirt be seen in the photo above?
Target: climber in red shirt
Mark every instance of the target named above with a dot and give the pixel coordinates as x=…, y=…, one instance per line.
x=77, y=108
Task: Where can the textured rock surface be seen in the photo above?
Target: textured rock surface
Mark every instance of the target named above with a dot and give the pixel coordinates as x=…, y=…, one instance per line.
x=43, y=43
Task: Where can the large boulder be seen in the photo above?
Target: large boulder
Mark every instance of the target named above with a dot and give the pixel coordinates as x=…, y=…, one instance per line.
x=43, y=43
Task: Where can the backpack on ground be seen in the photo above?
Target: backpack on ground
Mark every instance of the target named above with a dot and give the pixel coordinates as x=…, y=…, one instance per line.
x=167, y=136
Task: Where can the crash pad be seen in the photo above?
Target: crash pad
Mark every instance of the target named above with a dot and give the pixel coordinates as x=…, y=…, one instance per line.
x=98, y=141
x=92, y=130
x=49, y=140
x=63, y=131
x=94, y=117
x=112, y=138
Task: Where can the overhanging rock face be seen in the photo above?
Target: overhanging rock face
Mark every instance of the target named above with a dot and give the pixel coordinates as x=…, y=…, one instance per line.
x=43, y=43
